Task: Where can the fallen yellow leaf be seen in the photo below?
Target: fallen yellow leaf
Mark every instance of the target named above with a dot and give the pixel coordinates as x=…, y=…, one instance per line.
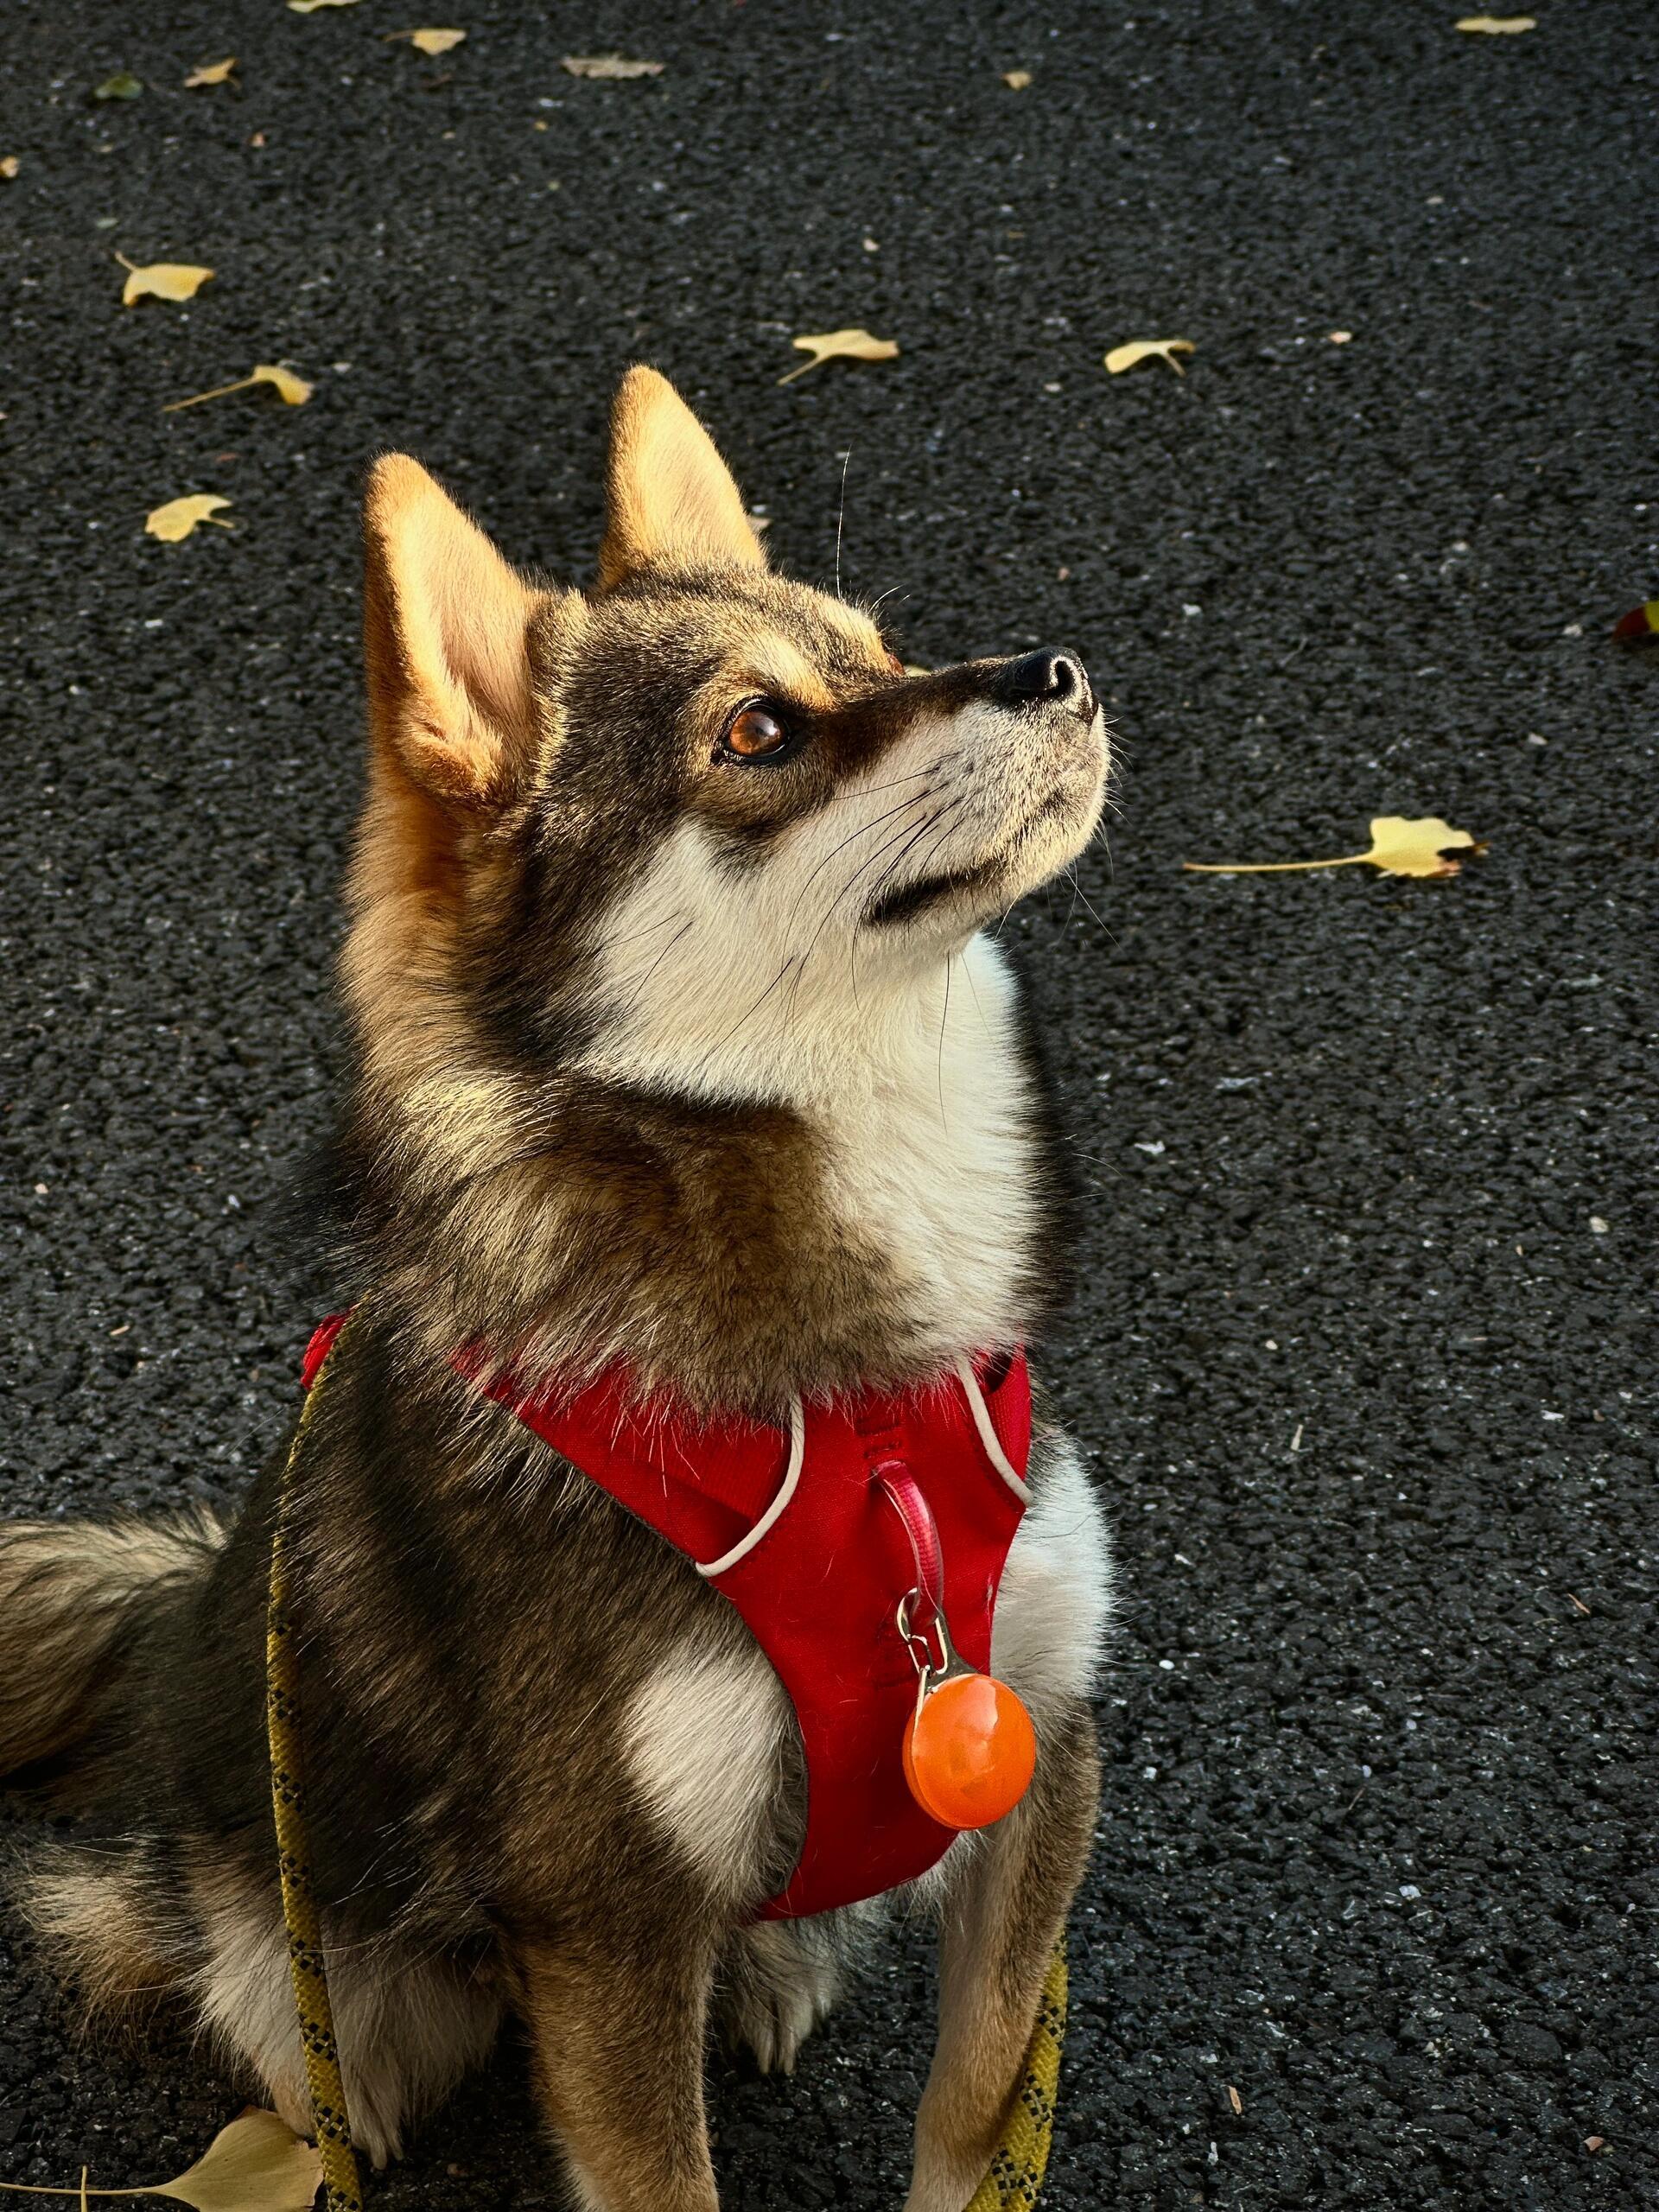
x=609, y=65
x=180, y=517
x=436, y=41
x=293, y=391
x=1398, y=847
x=161, y=280
x=1498, y=25
x=1016, y=79
x=1143, y=349
x=211, y=72
x=1340, y=337
x=840, y=344
x=310, y=7
x=8, y=165
x=255, y=2165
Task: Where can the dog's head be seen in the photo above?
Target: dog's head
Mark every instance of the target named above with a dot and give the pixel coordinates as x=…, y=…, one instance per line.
x=627, y=812
x=657, y=902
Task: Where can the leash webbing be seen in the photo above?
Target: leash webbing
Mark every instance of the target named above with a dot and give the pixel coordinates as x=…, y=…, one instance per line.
x=306, y=1965
x=1015, y=2176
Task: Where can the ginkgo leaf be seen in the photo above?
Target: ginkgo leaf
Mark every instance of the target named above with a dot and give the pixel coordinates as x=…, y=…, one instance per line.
x=179, y=518
x=211, y=72
x=1016, y=79
x=292, y=390
x=1143, y=349
x=255, y=2165
x=123, y=85
x=436, y=42
x=161, y=280
x=1498, y=26
x=1399, y=847
x=840, y=344
x=609, y=65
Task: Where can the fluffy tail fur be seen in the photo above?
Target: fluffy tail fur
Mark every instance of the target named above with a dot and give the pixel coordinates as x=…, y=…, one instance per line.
x=74, y=1598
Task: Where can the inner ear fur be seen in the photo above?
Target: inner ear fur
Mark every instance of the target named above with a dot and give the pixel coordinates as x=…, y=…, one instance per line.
x=670, y=499
x=446, y=627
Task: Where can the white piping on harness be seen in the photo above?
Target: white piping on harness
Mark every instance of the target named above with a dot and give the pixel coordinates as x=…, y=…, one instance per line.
x=987, y=1436
x=768, y=1520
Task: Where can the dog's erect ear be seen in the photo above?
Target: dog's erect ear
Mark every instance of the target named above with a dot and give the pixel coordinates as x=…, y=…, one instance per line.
x=672, y=502
x=445, y=622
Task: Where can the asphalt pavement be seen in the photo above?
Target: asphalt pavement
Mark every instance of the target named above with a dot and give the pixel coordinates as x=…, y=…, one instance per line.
x=1363, y=1348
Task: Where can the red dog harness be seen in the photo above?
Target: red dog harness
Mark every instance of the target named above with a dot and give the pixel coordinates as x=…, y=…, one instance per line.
x=817, y=1536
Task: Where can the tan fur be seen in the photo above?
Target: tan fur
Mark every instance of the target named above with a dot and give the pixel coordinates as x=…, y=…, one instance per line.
x=95, y=1912
x=408, y=2027
x=447, y=618
x=65, y=1587
x=672, y=503
x=618, y=2039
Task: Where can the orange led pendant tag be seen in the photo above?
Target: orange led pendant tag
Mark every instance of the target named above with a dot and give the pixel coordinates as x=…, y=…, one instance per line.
x=969, y=1749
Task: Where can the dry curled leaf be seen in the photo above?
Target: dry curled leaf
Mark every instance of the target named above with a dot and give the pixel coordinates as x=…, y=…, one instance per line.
x=179, y=518
x=123, y=85
x=1143, y=349
x=1016, y=79
x=1498, y=26
x=1399, y=847
x=292, y=390
x=161, y=280
x=840, y=344
x=609, y=65
x=211, y=72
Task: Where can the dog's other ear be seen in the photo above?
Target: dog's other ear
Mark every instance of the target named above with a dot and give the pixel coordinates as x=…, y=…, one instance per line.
x=445, y=622
x=670, y=499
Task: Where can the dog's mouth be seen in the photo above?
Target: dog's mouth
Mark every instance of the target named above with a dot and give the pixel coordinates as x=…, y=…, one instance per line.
x=985, y=878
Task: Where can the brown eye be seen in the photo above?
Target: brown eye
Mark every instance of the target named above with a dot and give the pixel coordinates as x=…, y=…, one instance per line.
x=756, y=734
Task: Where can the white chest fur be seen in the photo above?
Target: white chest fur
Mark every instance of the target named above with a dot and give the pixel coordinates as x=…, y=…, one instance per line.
x=911, y=1074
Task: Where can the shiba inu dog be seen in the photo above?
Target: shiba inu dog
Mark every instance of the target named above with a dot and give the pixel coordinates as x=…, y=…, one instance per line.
x=681, y=1053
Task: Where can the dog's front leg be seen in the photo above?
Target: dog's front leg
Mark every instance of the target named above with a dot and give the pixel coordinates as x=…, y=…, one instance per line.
x=1002, y=1912
x=619, y=2063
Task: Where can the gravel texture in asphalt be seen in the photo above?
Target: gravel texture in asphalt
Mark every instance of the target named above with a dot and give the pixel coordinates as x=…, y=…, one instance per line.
x=1361, y=1352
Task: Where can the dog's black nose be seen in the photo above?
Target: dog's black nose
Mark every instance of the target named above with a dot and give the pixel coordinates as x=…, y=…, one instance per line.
x=1047, y=677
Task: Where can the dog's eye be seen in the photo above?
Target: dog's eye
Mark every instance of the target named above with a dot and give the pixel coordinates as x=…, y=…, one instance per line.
x=755, y=732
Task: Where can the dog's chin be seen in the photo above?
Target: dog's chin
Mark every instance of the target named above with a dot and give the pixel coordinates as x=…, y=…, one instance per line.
x=954, y=902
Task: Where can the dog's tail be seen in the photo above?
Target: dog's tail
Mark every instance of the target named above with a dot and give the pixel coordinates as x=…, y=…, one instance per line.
x=76, y=1598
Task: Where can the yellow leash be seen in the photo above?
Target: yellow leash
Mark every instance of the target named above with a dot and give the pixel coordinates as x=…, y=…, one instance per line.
x=306, y=1964
x=1021, y=2160
x=1015, y=2174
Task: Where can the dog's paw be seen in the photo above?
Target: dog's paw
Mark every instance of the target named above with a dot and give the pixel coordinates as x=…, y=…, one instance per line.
x=777, y=1984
